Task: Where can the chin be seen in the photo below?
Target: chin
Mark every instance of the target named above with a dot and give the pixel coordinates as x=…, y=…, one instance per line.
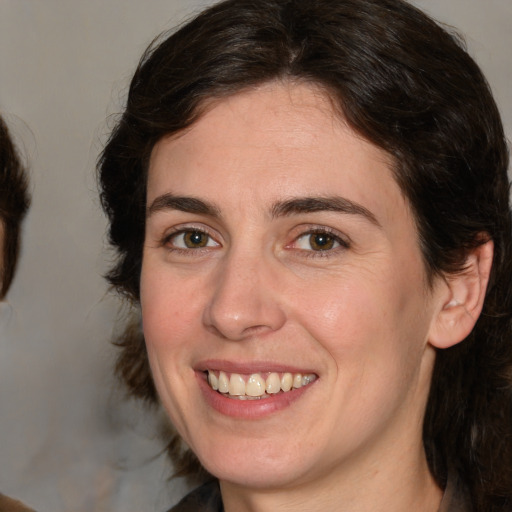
x=265, y=465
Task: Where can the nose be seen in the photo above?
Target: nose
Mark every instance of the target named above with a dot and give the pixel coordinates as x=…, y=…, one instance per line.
x=244, y=299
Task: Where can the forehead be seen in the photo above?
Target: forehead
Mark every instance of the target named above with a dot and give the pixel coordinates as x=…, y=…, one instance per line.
x=263, y=117
x=277, y=140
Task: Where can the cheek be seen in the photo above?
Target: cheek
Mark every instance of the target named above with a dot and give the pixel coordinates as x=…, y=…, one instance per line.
x=167, y=310
x=167, y=316
x=344, y=310
x=366, y=319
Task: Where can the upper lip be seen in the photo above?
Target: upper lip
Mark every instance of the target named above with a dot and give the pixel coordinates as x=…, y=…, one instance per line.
x=247, y=367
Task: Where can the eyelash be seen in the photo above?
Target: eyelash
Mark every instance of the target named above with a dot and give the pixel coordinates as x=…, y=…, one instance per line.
x=167, y=240
x=342, y=243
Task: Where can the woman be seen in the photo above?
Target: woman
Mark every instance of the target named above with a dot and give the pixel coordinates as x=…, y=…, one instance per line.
x=14, y=202
x=309, y=201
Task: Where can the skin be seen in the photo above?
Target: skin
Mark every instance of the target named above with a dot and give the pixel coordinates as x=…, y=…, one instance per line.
x=359, y=315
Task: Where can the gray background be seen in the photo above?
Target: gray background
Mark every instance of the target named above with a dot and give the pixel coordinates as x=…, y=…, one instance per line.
x=68, y=442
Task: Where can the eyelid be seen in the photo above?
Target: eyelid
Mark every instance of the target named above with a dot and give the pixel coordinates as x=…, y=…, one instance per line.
x=342, y=239
x=187, y=228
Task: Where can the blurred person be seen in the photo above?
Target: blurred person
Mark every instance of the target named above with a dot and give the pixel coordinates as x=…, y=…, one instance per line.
x=14, y=202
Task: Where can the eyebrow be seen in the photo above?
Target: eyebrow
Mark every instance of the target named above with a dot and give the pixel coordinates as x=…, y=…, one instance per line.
x=183, y=203
x=321, y=204
x=285, y=208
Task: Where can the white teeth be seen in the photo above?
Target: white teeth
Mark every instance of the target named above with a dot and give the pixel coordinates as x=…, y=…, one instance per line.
x=287, y=382
x=213, y=381
x=236, y=385
x=257, y=386
x=223, y=382
x=273, y=384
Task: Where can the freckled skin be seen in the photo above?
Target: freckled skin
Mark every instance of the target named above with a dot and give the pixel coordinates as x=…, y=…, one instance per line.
x=358, y=315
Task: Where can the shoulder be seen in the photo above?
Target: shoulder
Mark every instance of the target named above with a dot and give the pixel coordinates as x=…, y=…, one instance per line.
x=206, y=498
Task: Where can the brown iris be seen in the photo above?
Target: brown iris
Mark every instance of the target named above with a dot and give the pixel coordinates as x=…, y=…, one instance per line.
x=195, y=239
x=321, y=241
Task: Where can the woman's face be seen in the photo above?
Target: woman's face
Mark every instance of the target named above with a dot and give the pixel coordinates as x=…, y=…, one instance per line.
x=279, y=246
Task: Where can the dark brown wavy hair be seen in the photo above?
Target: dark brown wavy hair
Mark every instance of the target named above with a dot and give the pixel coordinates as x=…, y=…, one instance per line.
x=14, y=202
x=407, y=85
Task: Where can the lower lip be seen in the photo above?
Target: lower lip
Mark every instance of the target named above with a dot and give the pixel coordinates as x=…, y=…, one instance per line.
x=249, y=409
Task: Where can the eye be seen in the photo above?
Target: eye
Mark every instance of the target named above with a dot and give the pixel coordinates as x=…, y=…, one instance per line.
x=191, y=239
x=319, y=241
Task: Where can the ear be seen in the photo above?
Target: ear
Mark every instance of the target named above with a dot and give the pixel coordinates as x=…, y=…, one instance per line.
x=462, y=298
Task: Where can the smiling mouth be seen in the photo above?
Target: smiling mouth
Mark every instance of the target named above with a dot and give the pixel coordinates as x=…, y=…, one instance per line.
x=257, y=386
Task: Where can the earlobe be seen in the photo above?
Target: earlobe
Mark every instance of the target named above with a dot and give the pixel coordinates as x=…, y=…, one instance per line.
x=462, y=299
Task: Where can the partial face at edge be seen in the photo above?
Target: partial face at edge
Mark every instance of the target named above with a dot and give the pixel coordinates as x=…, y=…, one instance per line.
x=2, y=250
x=277, y=241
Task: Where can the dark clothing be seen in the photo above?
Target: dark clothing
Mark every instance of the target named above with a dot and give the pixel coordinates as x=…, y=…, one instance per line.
x=207, y=498
x=10, y=505
x=203, y=499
